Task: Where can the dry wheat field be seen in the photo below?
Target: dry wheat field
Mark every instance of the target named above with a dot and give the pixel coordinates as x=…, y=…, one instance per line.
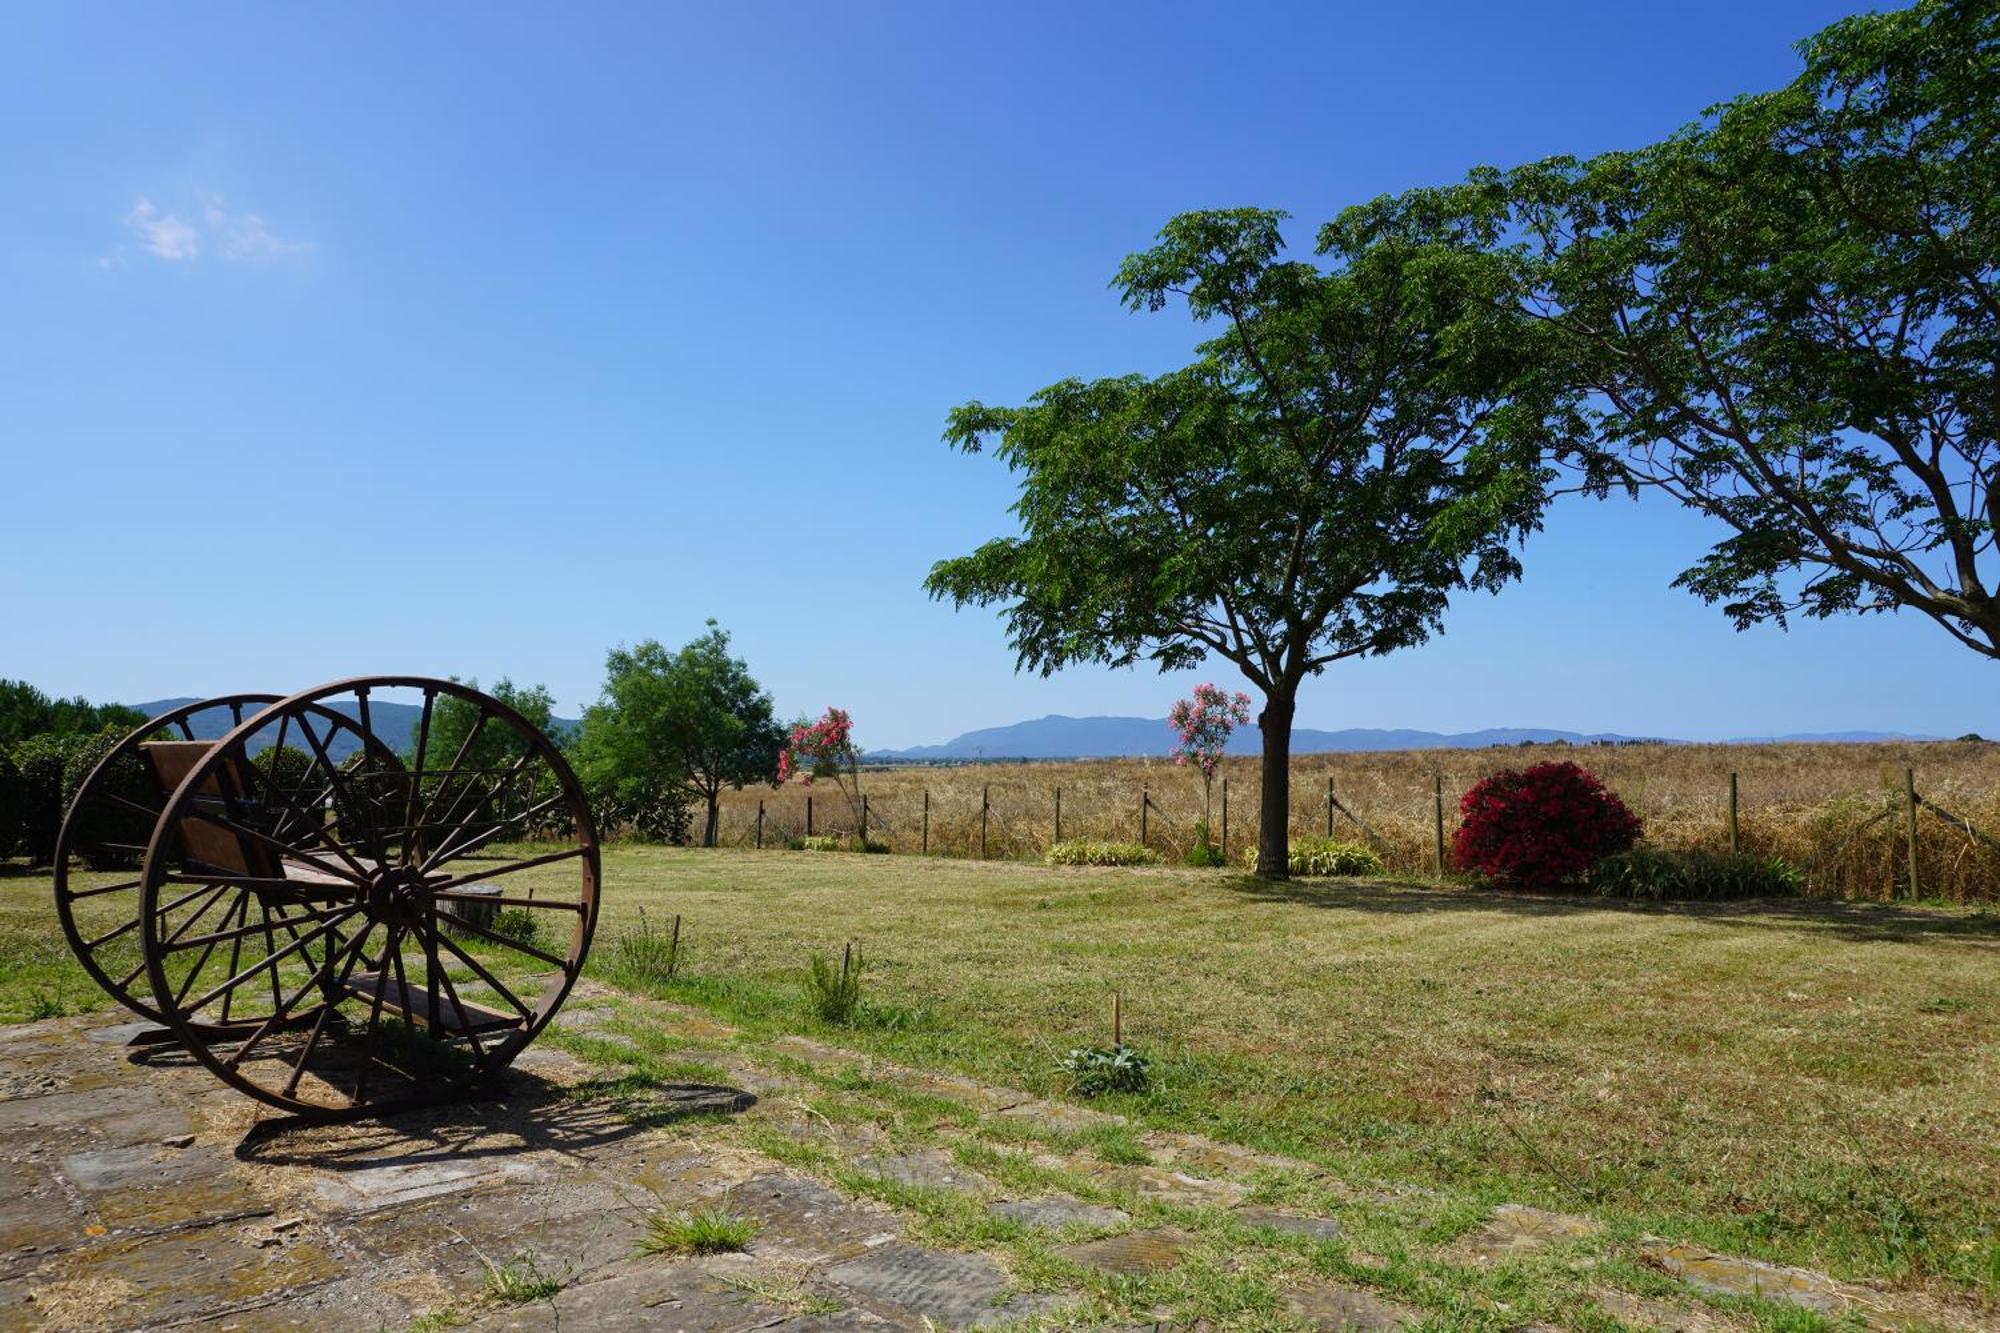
x=1836, y=809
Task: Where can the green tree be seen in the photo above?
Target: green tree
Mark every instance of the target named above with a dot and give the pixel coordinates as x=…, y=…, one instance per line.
x=1361, y=441
x=453, y=720
x=687, y=723
x=25, y=711
x=1787, y=317
x=13, y=804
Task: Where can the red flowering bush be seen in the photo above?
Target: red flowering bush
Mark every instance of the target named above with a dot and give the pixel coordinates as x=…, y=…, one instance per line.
x=1541, y=826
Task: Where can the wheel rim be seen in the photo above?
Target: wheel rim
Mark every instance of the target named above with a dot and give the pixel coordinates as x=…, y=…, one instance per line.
x=380, y=976
x=109, y=821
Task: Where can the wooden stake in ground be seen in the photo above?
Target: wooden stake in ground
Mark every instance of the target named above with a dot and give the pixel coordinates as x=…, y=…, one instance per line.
x=1058, y=814
x=809, y=814
x=1910, y=812
x=1144, y=801
x=1329, y=805
x=760, y=825
x=1117, y=1022
x=927, y=821
x=1437, y=812
x=1223, y=842
x=985, y=804
x=864, y=822
x=1735, y=837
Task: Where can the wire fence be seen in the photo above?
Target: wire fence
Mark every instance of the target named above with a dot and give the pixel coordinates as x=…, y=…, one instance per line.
x=1891, y=841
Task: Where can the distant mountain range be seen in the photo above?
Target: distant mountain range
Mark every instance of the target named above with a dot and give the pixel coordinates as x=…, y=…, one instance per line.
x=395, y=723
x=1059, y=737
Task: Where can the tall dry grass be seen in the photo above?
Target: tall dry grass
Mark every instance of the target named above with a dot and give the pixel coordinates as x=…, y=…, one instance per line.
x=1817, y=805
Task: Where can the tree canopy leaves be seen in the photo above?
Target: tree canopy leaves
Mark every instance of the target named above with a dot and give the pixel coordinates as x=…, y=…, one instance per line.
x=1786, y=316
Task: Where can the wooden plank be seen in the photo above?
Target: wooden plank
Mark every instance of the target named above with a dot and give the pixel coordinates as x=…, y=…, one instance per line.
x=414, y=1003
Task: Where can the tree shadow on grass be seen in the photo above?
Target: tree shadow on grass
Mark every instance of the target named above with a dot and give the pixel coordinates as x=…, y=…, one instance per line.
x=1892, y=923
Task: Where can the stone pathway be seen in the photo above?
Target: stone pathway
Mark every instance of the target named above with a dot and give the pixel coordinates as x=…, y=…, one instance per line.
x=137, y=1192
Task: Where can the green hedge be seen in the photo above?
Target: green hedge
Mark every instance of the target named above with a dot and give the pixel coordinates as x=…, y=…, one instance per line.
x=13, y=804
x=1661, y=875
x=1084, y=852
x=1324, y=856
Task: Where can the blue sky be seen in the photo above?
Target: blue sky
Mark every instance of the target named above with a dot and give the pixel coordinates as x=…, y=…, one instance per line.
x=476, y=339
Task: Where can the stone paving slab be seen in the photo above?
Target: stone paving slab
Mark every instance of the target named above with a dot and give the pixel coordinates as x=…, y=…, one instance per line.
x=928, y=1168
x=1132, y=1254
x=1056, y=1211
x=658, y=1296
x=1293, y=1224
x=1723, y=1275
x=804, y=1221
x=942, y=1286
x=1327, y=1305
x=1518, y=1229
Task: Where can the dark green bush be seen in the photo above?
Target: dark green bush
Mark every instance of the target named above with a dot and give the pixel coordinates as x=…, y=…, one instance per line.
x=1661, y=875
x=105, y=822
x=41, y=760
x=13, y=803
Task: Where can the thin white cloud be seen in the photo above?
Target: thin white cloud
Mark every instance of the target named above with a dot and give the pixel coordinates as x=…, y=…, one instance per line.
x=234, y=237
x=163, y=235
x=246, y=237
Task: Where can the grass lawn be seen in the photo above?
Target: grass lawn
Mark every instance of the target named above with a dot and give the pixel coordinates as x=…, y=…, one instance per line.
x=1803, y=1082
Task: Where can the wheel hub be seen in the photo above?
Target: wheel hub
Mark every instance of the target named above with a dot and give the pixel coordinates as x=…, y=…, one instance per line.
x=397, y=894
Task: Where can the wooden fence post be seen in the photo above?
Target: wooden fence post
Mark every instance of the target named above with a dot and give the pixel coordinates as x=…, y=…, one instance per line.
x=927, y=821
x=1058, y=814
x=1910, y=810
x=809, y=814
x=864, y=821
x=1735, y=833
x=985, y=804
x=760, y=826
x=1144, y=800
x=1437, y=812
x=1329, y=805
x=1224, y=842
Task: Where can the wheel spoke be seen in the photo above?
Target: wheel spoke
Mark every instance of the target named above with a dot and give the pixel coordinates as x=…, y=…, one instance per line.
x=464, y=748
x=133, y=924
x=444, y=938
x=481, y=876
x=74, y=894
x=544, y=904
x=187, y=984
x=471, y=845
x=410, y=844
x=357, y=876
x=517, y=945
x=271, y=960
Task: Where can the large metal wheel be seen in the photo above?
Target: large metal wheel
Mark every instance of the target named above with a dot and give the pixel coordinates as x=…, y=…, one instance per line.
x=111, y=819
x=397, y=946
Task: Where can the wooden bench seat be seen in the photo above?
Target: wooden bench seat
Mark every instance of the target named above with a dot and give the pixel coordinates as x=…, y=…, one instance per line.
x=414, y=1003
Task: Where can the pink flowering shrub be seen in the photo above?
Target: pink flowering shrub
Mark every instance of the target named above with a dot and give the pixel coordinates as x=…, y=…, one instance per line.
x=1541, y=826
x=822, y=749
x=1202, y=726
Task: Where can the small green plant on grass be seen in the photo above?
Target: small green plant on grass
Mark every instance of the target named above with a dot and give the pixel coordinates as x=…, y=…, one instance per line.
x=1205, y=852
x=1660, y=875
x=517, y=924
x=1084, y=852
x=46, y=1002
x=838, y=842
x=1092, y=1071
x=834, y=996
x=647, y=954
x=520, y=1280
x=1324, y=856
x=710, y=1230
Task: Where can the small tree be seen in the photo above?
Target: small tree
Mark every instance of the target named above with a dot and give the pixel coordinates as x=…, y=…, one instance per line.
x=1361, y=441
x=687, y=723
x=1202, y=726
x=824, y=749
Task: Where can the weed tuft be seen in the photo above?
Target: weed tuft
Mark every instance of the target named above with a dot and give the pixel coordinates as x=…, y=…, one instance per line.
x=710, y=1230
x=834, y=997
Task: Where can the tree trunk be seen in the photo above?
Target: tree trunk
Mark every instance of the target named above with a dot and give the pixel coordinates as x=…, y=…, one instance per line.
x=1275, y=807
x=714, y=811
